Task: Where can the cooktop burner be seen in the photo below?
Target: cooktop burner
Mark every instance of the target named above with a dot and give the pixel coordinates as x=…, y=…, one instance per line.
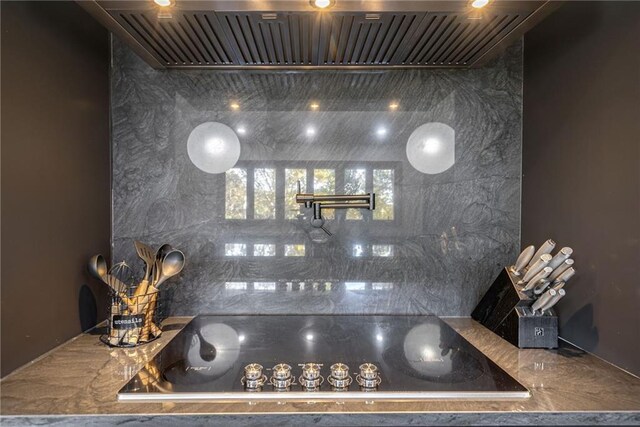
x=319, y=358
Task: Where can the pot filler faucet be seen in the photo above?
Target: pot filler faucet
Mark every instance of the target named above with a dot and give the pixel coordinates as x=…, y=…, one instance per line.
x=318, y=202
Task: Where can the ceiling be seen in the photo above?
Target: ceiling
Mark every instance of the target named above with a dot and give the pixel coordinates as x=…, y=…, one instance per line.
x=292, y=34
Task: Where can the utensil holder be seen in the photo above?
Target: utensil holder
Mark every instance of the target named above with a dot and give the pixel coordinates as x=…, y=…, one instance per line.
x=133, y=320
x=506, y=310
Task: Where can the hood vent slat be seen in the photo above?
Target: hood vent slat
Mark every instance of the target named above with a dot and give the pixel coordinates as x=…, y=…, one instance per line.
x=192, y=38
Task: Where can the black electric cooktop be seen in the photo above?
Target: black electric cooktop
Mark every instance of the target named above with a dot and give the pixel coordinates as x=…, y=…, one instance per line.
x=304, y=357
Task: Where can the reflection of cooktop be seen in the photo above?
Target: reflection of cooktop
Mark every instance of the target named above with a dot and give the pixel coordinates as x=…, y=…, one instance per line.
x=304, y=357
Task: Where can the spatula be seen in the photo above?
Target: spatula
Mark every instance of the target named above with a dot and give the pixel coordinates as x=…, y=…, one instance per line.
x=147, y=255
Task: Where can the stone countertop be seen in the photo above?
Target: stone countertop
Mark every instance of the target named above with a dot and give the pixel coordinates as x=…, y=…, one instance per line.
x=78, y=383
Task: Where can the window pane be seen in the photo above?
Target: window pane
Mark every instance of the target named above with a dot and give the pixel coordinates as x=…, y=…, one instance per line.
x=264, y=286
x=383, y=188
x=382, y=250
x=354, y=183
x=260, y=249
x=357, y=250
x=324, y=182
x=355, y=286
x=291, y=178
x=294, y=250
x=235, y=249
x=264, y=184
x=236, y=194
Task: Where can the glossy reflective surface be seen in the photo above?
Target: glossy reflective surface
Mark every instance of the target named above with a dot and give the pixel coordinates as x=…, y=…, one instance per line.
x=82, y=378
x=439, y=239
x=416, y=357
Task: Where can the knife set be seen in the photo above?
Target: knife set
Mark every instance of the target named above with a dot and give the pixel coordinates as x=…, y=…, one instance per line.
x=518, y=305
x=134, y=307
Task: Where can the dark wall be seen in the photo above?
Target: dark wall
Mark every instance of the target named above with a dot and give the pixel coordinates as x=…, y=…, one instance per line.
x=55, y=173
x=447, y=239
x=581, y=165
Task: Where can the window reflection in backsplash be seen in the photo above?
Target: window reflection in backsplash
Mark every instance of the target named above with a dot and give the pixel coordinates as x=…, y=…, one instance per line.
x=264, y=193
x=236, y=194
x=294, y=250
x=338, y=179
x=292, y=177
x=355, y=182
x=313, y=286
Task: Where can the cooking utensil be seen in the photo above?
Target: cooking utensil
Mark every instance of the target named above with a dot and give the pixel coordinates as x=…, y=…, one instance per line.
x=558, y=286
x=535, y=280
x=540, y=302
x=536, y=267
x=566, y=275
x=546, y=248
x=523, y=260
x=560, y=269
x=172, y=264
x=98, y=267
x=553, y=300
x=147, y=255
x=160, y=254
x=560, y=257
x=115, y=283
x=150, y=327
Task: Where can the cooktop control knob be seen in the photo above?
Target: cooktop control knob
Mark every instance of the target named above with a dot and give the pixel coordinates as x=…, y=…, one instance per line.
x=253, y=378
x=281, y=376
x=311, y=378
x=339, y=379
x=253, y=371
x=369, y=377
x=339, y=371
x=311, y=371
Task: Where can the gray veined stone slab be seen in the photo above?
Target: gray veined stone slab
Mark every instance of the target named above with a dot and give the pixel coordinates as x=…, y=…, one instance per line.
x=452, y=232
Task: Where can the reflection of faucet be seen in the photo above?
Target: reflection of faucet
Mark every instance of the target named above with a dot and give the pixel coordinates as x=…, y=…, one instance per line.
x=318, y=202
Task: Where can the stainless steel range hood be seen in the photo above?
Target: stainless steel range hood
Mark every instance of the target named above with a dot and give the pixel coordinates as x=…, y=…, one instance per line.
x=291, y=34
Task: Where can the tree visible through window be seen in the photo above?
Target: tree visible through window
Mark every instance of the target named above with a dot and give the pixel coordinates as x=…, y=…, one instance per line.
x=291, y=178
x=236, y=194
x=294, y=250
x=264, y=184
x=324, y=182
x=383, y=188
x=354, y=183
x=266, y=201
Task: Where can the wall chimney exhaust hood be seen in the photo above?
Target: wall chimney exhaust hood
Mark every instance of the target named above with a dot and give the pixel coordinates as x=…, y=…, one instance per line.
x=289, y=34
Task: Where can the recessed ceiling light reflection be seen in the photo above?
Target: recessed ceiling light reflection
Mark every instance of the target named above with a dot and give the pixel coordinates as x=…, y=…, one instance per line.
x=314, y=105
x=241, y=130
x=234, y=106
x=379, y=337
x=381, y=131
x=322, y=4
x=393, y=106
x=309, y=337
x=479, y=3
x=310, y=131
x=241, y=338
x=163, y=3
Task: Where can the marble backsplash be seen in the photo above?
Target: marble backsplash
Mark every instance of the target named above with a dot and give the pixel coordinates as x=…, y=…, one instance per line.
x=433, y=245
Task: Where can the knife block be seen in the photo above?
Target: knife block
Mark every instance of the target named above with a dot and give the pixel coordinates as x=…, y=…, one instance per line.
x=506, y=311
